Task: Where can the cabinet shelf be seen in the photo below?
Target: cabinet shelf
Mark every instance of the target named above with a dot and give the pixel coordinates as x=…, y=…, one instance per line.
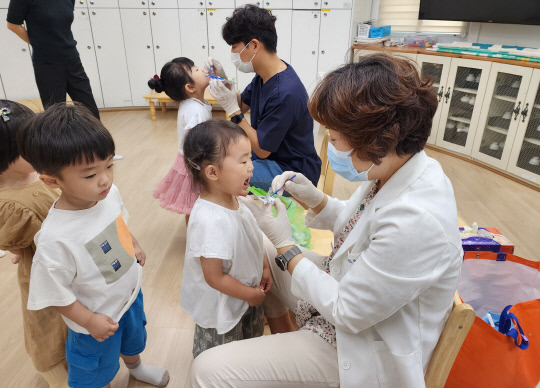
x=460, y=119
x=504, y=98
x=465, y=90
x=532, y=141
x=497, y=129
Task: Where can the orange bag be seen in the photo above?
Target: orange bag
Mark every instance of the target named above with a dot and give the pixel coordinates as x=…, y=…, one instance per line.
x=489, y=358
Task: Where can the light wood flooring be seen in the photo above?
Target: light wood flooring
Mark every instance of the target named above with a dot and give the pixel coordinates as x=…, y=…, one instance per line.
x=149, y=149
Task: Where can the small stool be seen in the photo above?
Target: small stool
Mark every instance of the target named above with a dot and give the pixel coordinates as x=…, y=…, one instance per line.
x=163, y=99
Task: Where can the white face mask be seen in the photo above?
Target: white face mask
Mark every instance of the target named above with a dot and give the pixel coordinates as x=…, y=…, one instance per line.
x=244, y=67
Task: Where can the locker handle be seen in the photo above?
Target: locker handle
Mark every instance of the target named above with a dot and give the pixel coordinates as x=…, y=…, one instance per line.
x=24, y=49
x=524, y=112
x=91, y=2
x=157, y=47
x=313, y=52
x=203, y=46
x=212, y=47
x=99, y=47
x=144, y=13
x=143, y=3
x=315, y=16
x=148, y=46
x=89, y=47
x=153, y=13
x=93, y=12
x=440, y=94
x=201, y=3
x=516, y=110
x=202, y=13
x=81, y=2
x=447, y=95
x=83, y=13
x=322, y=52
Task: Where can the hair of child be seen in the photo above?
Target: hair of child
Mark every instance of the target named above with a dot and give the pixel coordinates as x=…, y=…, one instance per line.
x=207, y=143
x=251, y=22
x=175, y=75
x=15, y=116
x=62, y=136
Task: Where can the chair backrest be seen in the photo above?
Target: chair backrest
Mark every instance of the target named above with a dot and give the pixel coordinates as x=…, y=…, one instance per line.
x=326, y=181
x=455, y=330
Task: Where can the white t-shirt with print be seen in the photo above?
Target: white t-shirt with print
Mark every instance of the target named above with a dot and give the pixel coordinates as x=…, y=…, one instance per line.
x=233, y=236
x=86, y=255
x=190, y=113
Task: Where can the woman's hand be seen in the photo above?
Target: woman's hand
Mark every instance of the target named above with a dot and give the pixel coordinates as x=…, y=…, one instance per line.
x=277, y=229
x=300, y=188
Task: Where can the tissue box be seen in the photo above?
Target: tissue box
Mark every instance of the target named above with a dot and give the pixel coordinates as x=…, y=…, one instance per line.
x=499, y=243
x=378, y=32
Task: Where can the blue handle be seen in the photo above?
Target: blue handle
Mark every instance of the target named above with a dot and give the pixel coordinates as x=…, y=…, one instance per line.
x=505, y=324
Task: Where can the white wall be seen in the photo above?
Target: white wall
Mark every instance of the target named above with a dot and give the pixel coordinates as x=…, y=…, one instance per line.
x=508, y=34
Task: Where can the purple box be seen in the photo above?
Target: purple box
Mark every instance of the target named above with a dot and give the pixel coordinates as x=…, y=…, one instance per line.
x=477, y=243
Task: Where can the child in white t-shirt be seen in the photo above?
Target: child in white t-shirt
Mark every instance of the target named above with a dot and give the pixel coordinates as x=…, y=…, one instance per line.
x=86, y=263
x=184, y=82
x=226, y=273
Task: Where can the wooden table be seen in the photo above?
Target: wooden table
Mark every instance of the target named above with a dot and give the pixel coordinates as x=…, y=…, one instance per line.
x=163, y=99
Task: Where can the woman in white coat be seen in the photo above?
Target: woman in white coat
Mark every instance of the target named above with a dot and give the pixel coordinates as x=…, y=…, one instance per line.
x=372, y=312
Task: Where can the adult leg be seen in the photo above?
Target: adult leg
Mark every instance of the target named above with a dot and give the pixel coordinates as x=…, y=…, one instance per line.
x=290, y=360
x=51, y=80
x=78, y=86
x=264, y=171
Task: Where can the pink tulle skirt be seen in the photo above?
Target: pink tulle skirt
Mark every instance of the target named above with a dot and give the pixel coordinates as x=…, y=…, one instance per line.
x=176, y=191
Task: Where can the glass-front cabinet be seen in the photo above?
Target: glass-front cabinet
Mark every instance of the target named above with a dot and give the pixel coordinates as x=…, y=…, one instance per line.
x=524, y=158
x=436, y=69
x=461, y=104
x=501, y=113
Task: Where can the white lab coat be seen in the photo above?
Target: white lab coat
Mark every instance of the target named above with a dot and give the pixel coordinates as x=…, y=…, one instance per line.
x=392, y=282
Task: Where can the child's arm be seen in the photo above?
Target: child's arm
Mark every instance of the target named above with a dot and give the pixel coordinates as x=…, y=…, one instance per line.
x=99, y=326
x=266, y=280
x=139, y=253
x=17, y=254
x=214, y=276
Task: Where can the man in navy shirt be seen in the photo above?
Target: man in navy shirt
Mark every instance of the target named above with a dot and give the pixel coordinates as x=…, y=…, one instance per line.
x=281, y=130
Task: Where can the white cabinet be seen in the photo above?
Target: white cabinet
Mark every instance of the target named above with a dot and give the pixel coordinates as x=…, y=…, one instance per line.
x=229, y=4
x=435, y=68
x=278, y=4
x=500, y=117
x=166, y=35
x=194, y=35
x=163, y=4
x=102, y=3
x=305, y=45
x=80, y=4
x=524, y=160
x=461, y=104
x=2, y=94
x=336, y=4
x=334, y=40
x=218, y=48
x=191, y=4
x=133, y=4
x=111, y=57
x=82, y=32
x=16, y=65
x=306, y=4
x=139, y=51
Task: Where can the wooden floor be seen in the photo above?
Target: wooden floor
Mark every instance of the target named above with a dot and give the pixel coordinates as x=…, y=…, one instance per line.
x=149, y=149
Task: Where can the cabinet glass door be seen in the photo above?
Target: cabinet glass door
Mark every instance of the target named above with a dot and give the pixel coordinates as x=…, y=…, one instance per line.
x=525, y=156
x=505, y=98
x=435, y=69
x=461, y=104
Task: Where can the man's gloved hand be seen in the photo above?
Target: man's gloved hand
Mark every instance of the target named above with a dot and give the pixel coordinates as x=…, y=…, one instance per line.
x=217, y=68
x=227, y=98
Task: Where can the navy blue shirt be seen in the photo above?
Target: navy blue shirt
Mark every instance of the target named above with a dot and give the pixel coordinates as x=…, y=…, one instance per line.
x=284, y=126
x=49, y=28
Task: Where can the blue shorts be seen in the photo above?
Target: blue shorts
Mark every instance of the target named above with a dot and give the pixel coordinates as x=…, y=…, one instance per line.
x=264, y=172
x=93, y=364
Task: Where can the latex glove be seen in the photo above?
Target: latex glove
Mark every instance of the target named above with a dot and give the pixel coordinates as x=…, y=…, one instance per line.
x=300, y=188
x=227, y=98
x=277, y=229
x=217, y=68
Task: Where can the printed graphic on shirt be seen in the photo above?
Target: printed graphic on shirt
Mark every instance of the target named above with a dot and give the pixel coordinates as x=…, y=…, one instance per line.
x=112, y=250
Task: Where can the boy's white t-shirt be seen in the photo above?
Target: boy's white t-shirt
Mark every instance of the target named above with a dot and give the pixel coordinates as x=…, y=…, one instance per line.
x=190, y=113
x=86, y=255
x=233, y=236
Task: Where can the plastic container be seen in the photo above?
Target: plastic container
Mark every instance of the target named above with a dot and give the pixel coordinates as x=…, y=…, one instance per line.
x=420, y=41
x=379, y=32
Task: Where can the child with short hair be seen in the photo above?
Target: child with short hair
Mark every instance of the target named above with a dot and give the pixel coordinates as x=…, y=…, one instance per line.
x=226, y=272
x=86, y=261
x=184, y=82
x=24, y=204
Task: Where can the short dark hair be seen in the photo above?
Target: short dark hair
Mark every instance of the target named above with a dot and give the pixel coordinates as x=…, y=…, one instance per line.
x=251, y=22
x=175, y=75
x=18, y=115
x=379, y=105
x=207, y=143
x=62, y=136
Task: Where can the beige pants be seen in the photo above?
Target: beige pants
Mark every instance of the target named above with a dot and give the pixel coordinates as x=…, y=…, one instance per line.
x=291, y=360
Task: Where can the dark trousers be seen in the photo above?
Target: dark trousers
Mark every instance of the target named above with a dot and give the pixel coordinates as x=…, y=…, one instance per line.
x=54, y=80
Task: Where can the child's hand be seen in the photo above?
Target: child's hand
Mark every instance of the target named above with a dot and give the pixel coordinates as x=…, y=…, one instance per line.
x=15, y=259
x=257, y=296
x=139, y=253
x=266, y=280
x=101, y=327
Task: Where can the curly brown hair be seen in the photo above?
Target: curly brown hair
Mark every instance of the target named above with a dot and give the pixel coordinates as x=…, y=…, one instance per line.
x=379, y=104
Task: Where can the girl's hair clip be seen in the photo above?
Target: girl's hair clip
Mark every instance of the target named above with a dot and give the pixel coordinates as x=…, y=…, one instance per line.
x=156, y=76
x=4, y=112
x=195, y=166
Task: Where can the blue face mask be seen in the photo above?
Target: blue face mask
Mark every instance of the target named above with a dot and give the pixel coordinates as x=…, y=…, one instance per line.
x=341, y=163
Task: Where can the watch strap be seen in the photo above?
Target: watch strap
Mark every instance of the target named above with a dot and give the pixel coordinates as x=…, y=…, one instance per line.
x=237, y=118
x=283, y=259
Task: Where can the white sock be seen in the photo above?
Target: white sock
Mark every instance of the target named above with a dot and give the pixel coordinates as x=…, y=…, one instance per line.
x=149, y=374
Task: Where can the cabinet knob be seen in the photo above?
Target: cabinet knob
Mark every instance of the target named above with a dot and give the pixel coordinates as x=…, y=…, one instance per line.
x=143, y=2
x=81, y=2
x=313, y=52
x=24, y=49
x=316, y=3
x=99, y=47
x=201, y=3
x=325, y=14
x=153, y=13
x=92, y=2
x=203, y=46
x=322, y=52
x=524, y=112
x=157, y=47
x=516, y=110
x=144, y=13
x=147, y=46
x=89, y=47
x=315, y=16
x=83, y=13
x=93, y=12
x=211, y=13
x=202, y=13
x=153, y=3
x=267, y=3
x=209, y=3
x=326, y=3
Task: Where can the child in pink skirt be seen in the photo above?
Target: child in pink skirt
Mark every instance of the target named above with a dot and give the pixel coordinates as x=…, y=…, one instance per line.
x=184, y=82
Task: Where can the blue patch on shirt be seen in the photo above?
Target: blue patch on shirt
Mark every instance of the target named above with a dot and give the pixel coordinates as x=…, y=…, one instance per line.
x=116, y=265
x=105, y=246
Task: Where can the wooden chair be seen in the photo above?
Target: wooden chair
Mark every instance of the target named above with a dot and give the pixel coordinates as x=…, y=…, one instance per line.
x=455, y=330
x=326, y=180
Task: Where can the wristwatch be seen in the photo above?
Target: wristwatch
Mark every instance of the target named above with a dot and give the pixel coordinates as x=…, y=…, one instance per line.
x=282, y=260
x=237, y=118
